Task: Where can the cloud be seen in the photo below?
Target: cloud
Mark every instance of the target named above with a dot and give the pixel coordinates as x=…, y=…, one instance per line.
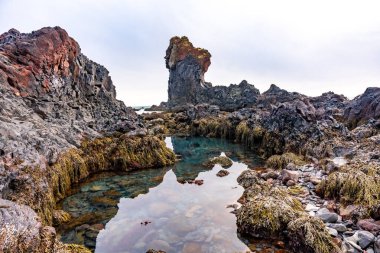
x=305, y=46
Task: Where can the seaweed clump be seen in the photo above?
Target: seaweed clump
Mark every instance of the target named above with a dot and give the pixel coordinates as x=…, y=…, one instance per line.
x=281, y=161
x=215, y=127
x=121, y=153
x=309, y=234
x=351, y=187
x=249, y=136
x=74, y=248
x=223, y=161
x=268, y=213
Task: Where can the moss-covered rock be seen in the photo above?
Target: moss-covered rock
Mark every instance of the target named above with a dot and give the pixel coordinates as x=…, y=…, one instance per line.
x=249, y=136
x=268, y=213
x=74, y=248
x=60, y=216
x=309, y=235
x=219, y=127
x=351, y=187
x=281, y=161
x=121, y=153
x=223, y=161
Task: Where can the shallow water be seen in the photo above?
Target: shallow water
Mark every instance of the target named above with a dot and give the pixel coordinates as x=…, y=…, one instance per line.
x=159, y=209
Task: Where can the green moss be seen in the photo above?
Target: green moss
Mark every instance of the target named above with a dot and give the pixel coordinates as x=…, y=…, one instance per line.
x=351, y=187
x=281, y=161
x=308, y=234
x=223, y=161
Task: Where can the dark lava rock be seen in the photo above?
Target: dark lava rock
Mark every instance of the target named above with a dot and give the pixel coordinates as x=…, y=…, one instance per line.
x=187, y=66
x=363, y=107
x=52, y=97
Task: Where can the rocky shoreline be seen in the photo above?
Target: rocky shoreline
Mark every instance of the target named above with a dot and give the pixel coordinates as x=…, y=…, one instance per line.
x=60, y=122
x=319, y=189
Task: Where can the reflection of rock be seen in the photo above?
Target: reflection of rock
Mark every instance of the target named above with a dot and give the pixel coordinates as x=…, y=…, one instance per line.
x=155, y=251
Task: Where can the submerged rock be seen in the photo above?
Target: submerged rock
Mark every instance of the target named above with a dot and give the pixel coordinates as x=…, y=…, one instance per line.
x=222, y=173
x=223, y=161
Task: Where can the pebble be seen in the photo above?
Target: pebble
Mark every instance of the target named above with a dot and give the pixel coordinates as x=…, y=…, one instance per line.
x=365, y=238
x=310, y=207
x=377, y=244
x=341, y=228
x=332, y=231
x=326, y=216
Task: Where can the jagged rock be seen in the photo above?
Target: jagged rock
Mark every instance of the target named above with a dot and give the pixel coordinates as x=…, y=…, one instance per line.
x=363, y=107
x=187, y=66
x=22, y=230
x=161, y=107
x=52, y=97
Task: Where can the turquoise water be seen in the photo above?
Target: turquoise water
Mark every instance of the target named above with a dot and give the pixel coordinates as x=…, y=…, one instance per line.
x=161, y=208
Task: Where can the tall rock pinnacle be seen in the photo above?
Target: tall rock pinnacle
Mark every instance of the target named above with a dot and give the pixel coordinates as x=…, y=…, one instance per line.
x=187, y=66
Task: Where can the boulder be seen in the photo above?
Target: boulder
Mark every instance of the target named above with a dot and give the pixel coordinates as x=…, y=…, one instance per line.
x=187, y=66
x=326, y=216
x=363, y=107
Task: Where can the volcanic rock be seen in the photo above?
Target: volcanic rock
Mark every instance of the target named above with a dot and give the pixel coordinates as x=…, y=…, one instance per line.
x=363, y=107
x=187, y=66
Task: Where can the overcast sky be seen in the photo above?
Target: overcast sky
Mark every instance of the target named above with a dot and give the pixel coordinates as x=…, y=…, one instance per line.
x=305, y=46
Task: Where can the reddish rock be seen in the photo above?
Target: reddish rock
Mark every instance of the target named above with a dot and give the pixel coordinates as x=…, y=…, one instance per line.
x=369, y=225
x=181, y=47
x=28, y=62
x=288, y=175
x=346, y=212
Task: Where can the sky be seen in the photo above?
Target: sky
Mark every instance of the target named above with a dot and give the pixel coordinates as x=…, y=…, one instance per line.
x=300, y=45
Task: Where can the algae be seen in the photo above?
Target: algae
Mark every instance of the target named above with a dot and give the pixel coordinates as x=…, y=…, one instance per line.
x=308, y=234
x=281, y=161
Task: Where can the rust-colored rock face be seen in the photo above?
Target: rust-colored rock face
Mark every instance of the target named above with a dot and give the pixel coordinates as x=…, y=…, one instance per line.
x=180, y=48
x=28, y=61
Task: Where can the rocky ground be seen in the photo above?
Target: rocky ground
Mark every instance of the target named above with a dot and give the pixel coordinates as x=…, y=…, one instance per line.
x=59, y=123
x=319, y=190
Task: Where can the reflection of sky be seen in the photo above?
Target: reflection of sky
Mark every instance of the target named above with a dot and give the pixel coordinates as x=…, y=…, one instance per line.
x=301, y=46
x=181, y=215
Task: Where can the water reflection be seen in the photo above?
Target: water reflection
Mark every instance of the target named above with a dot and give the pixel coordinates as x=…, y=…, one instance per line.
x=151, y=209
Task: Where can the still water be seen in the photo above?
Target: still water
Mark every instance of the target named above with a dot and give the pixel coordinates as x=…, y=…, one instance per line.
x=159, y=208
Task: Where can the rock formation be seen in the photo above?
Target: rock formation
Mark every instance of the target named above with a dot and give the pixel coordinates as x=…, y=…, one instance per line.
x=187, y=66
x=364, y=107
x=56, y=106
